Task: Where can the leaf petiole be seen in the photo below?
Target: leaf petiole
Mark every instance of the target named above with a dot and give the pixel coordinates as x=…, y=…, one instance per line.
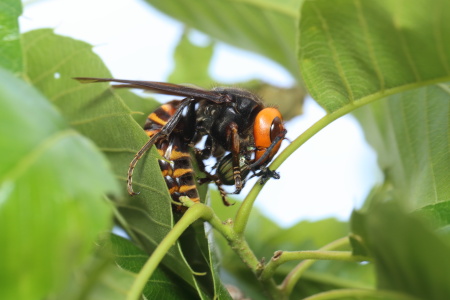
x=281, y=257
x=293, y=277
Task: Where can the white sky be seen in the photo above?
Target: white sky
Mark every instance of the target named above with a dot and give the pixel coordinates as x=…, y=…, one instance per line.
x=328, y=176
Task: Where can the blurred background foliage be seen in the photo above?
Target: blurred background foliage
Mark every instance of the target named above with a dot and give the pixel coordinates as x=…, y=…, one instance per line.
x=66, y=147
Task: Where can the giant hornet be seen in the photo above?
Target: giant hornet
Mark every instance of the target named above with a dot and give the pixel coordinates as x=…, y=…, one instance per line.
x=241, y=133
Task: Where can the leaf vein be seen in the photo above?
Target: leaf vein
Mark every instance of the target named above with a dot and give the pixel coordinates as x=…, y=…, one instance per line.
x=143, y=185
x=65, y=92
x=334, y=53
x=437, y=19
x=43, y=75
x=144, y=212
x=430, y=153
x=364, y=26
x=100, y=117
x=405, y=49
x=408, y=136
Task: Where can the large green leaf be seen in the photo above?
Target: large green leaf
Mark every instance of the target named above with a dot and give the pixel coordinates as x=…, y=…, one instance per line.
x=353, y=51
x=265, y=27
x=199, y=252
x=409, y=131
x=139, y=106
x=437, y=215
x=408, y=256
x=104, y=116
x=52, y=182
x=162, y=285
x=10, y=46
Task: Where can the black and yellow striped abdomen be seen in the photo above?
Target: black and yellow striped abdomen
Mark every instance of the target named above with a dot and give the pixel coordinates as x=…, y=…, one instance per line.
x=177, y=168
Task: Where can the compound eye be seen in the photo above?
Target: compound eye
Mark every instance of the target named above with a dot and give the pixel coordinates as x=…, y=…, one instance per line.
x=276, y=128
x=268, y=125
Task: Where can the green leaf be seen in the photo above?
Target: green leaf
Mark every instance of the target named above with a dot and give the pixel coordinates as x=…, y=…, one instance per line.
x=10, y=46
x=369, y=49
x=52, y=182
x=191, y=63
x=197, y=250
x=162, y=285
x=98, y=112
x=409, y=131
x=409, y=257
x=437, y=215
x=105, y=117
x=265, y=27
x=140, y=107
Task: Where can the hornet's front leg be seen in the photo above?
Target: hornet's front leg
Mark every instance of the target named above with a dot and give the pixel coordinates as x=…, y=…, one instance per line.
x=233, y=136
x=201, y=155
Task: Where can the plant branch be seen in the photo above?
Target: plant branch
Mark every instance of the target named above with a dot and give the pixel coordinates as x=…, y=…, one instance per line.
x=194, y=213
x=281, y=257
x=293, y=277
x=240, y=246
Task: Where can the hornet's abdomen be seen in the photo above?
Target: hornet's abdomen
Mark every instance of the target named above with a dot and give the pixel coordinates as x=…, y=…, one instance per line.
x=177, y=168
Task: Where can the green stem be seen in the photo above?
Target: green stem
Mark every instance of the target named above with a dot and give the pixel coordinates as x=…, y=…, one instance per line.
x=359, y=293
x=243, y=250
x=321, y=255
x=294, y=276
x=246, y=206
x=192, y=214
x=284, y=256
